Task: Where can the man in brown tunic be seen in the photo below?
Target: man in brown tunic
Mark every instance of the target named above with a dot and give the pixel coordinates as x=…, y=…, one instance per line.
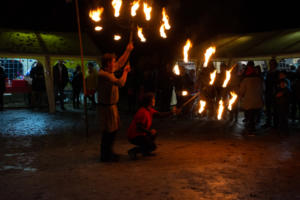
x=108, y=97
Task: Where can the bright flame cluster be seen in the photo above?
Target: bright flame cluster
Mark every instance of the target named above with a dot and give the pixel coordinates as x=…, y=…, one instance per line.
x=165, y=25
x=140, y=34
x=95, y=15
x=165, y=19
x=98, y=28
x=220, y=109
x=117, y=7
x=184, y=93
x=212, y=77
x=186, y=49
x=227, y=79
x=202, y=106
x=232, y=100
x=134, y=7
x=208, y=54
x=147, y=11
x=117, y=37
x=176, y=70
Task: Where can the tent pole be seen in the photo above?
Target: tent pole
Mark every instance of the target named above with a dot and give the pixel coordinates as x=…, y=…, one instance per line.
x=82, y=68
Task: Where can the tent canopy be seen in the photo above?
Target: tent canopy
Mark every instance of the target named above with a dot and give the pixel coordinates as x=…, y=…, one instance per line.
x=256, y=46
x=36, y=44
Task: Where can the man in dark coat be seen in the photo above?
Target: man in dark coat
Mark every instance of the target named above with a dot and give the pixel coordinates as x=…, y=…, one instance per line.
x=2, y=86
x=271, y=84
x=77, y=86
x=60, y=79
x=38, y=85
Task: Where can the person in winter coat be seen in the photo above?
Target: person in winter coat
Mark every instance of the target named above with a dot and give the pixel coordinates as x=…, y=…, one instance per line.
x=38, y=85
x=251, y=94
x=77, y=86
x=60, y=80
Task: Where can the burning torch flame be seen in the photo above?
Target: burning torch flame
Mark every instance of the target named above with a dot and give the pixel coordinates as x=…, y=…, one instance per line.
x=208, y=53
x=232, y=100
x=227, y=79
x=117, y=37
x=147, y=11
x=165, y=19
x=220, y=109
x=186, y=49
x=212, y=77
x=117, y=6
x=162, y=31
x=202, y=106
x=176, y=70
x=184, y=93
x=98, y=28
x=140, y=34
x=134, y=7
x=95, y=15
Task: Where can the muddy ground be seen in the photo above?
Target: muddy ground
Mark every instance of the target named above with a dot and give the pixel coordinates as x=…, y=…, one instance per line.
x=46, y=156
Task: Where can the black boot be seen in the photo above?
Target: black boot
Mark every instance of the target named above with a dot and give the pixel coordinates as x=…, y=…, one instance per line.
x=133, y=153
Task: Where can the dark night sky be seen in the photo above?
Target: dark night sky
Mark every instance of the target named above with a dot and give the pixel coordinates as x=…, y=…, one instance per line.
x=197, y=19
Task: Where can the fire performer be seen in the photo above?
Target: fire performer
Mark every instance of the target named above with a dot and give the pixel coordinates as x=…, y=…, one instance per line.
x=140, y=132
x=108, y=97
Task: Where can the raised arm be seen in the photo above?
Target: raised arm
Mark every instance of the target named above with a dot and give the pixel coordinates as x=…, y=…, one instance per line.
x=117, y=81
x=122, y=60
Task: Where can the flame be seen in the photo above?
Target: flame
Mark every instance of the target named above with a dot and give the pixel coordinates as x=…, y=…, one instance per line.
x=98, y=28
x=176, y=70
x=162, y=31
x=186, y=49
x=117, y=6
x=184, y=93
x=202, y=106
x=208, y=53
x=95, y=15
x=212, y=77
x=227, y=79
x=165, y=19
x=232, y=100
x=117, y=37
x=140, y=34
x=134, y=6
x=147, y=11
x=220, y=109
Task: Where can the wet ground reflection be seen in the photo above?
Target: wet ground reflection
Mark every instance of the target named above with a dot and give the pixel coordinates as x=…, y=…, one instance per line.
x=27, y=122
x=196, y=159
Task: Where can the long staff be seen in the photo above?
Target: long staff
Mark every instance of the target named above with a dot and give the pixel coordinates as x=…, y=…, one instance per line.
x=82, y=69
x=190, y=100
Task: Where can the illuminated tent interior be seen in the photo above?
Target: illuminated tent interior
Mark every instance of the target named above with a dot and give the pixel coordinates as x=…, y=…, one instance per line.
x=47, y=48
x=255, y=46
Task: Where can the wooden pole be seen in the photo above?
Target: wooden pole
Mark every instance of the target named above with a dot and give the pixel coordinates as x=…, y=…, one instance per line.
x=82, y=68
x=190, y=100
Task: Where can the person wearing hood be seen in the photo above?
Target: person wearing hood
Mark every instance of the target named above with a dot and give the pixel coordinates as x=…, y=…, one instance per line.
x=251, y=94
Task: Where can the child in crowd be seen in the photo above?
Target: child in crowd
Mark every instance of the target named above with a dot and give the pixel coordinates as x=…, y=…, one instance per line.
x=140, y=132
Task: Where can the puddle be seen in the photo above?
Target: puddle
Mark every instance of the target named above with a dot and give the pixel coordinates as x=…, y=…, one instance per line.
x=11, y=167
x=14, y=154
